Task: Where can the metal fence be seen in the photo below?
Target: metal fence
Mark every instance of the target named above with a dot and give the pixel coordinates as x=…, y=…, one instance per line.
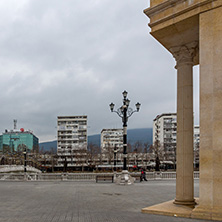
x=82, y=176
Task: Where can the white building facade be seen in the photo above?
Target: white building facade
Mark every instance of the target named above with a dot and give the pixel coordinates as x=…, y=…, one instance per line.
x=165, y=132
x=196, y=145
x=111, y=138
x=72, y=140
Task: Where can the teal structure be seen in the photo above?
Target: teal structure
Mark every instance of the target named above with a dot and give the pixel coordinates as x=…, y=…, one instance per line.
x=15, y=141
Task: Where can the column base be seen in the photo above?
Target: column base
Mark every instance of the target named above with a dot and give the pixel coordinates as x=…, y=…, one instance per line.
x=125, y=178
x=185, y=202
x=207, y=213
x=170, y=209
x=187, y=211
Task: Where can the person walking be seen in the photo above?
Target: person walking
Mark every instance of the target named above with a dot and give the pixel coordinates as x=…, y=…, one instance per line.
x=143, y=175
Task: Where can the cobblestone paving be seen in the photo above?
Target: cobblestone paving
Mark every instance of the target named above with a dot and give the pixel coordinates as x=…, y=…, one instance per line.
x=84, y=201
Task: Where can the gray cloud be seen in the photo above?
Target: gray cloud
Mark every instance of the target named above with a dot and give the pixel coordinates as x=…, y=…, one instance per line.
x=72, y=57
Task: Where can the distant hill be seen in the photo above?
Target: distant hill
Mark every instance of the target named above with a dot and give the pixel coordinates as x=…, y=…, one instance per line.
x=144, y=135
x=94, y=139
x=48, y=146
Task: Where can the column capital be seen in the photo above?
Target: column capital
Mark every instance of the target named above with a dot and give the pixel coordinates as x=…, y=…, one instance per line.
x=184, y=54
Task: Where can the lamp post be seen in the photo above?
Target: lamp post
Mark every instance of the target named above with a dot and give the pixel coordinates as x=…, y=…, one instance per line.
x=25, y=164
x=115, y=151
x=124, y=112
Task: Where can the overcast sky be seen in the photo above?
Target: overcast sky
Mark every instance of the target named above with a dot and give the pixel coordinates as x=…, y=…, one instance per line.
x=74, y=57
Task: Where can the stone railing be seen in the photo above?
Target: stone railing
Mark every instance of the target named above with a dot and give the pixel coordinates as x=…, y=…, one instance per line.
x=19, y=176
x=83, y=176
x=17, y=168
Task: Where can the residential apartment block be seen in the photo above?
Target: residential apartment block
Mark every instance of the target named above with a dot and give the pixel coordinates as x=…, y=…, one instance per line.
x=111, y=138
x=196, y=145
x=72, y=140
x=165, y=132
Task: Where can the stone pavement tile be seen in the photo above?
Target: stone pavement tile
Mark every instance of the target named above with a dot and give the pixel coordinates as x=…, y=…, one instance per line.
x=84, y=201
x=55, y=218
x=68, y=216
x=62, y=218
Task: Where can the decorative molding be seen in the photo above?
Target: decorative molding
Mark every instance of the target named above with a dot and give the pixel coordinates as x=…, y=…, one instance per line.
x=169, y=4
x=161, y=7
x=185, y=54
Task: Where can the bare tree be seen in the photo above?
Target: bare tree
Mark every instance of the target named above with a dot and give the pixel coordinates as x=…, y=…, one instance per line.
x=137, y=150
x=170, y=155
x=158, y=150
x=145, y=157
x=81, y=157
x=92, y=155
x=109, y=153
x=129, y=147
x=41, y=151
x=53, y=157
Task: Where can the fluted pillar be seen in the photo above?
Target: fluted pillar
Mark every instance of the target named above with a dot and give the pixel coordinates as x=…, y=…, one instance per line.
x=184, y=56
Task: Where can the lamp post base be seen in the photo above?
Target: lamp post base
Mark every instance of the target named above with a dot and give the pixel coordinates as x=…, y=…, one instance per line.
x=114, y=176
x=25, y=177
x=125, y=178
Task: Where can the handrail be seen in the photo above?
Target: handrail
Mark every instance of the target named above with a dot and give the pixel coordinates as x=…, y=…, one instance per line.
x=84, y=176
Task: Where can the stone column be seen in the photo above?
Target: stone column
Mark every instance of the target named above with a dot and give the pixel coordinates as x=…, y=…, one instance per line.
x=210, y=203
x=184, y=56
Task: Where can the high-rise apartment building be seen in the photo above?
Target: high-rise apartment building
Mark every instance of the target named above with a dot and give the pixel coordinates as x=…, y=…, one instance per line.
x=196, y=145
x=196, y=137
x=111, y=138
x=72, y=140
x=165, y=132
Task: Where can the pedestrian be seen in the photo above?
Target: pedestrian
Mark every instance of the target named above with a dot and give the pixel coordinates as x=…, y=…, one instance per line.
x=143, y=175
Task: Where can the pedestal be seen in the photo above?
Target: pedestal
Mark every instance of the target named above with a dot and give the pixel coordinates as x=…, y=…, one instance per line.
x=125, y=178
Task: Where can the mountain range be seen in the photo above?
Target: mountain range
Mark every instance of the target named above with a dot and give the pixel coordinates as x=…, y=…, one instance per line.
x=144, y=135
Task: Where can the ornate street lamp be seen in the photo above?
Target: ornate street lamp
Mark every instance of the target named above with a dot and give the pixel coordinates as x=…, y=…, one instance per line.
x=25, y=159
x=115, y=152
x=124, y=112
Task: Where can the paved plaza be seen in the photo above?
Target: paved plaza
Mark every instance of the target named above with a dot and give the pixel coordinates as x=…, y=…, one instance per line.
x=84, y=201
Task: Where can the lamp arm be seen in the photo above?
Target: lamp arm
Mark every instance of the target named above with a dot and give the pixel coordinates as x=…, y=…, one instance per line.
x=117, y=113
x=130, y=112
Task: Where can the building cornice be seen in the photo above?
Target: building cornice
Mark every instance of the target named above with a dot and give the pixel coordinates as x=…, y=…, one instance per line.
x=160, y=7
x=164, y=114
x=170, y=4
x=112, y=129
